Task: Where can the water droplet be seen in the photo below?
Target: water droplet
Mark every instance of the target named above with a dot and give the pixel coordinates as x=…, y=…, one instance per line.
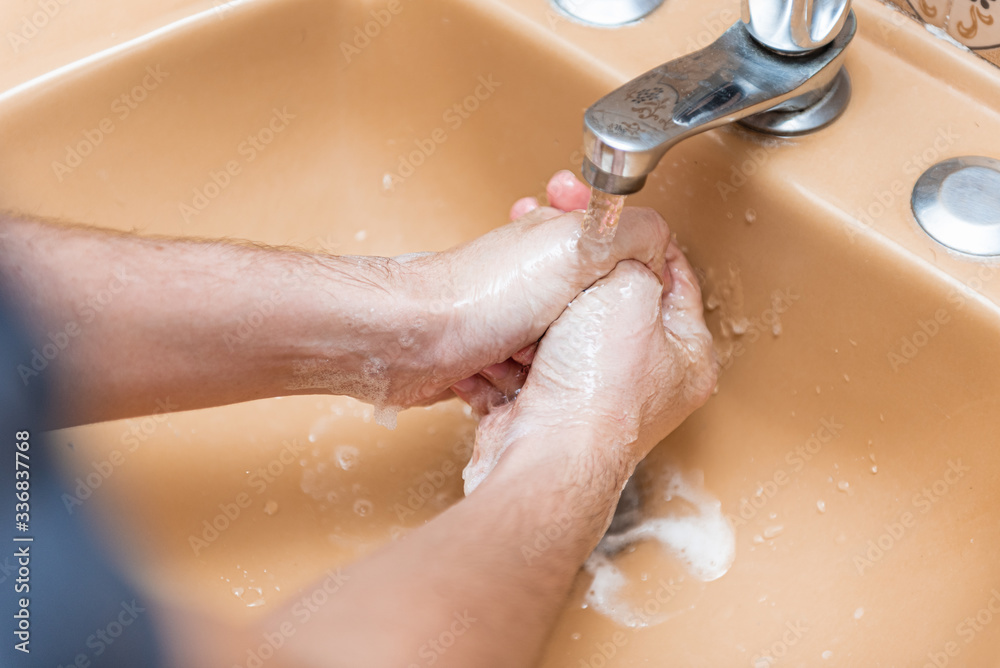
x=271, y=507
x=347, y=457
x=576, y=636
x=874, y=468
x=751, y=216
x=363, y=507
x=843, y=485
x=773, y=531
x=360, y=235
x=859, y=613
x=827, y=654
x=821, y=505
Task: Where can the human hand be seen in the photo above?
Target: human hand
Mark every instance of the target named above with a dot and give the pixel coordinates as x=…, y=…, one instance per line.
x=626, y=363
x=496, y=295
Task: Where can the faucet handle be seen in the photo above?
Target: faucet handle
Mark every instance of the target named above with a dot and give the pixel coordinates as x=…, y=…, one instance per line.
x=795, y=26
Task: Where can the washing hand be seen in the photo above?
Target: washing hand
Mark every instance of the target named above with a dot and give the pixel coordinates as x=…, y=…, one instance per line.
x=496, y=295
x=625, y=364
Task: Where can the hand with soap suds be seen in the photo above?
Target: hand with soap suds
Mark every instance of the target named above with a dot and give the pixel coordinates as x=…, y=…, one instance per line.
x=492, y=298
x=628, y=360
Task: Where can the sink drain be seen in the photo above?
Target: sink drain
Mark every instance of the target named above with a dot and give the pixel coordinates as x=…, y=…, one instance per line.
x=957, y=202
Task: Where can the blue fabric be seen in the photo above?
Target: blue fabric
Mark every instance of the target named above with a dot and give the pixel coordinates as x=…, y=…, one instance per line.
x=82, y=612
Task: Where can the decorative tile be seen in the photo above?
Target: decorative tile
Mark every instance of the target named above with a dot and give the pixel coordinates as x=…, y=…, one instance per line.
x=934, y=12
x=975, y=23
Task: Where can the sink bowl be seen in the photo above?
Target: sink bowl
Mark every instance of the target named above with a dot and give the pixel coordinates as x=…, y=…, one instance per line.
x=851, y=442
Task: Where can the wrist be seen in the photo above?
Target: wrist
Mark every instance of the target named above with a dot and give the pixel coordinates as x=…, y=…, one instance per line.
x=360, y=326
x=568, y=480
x=576, y=456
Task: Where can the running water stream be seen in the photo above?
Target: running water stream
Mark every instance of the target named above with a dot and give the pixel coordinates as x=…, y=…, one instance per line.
x=603, y=212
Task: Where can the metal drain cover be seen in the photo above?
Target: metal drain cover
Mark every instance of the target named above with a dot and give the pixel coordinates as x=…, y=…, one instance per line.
x=957, y=202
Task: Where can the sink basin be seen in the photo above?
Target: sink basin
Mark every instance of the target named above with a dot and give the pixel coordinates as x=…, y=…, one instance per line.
x=852, y=439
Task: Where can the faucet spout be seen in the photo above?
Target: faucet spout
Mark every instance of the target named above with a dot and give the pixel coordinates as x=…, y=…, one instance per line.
x=628, y=131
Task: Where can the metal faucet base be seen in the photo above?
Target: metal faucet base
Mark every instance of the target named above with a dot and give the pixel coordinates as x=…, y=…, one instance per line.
x=792, y=122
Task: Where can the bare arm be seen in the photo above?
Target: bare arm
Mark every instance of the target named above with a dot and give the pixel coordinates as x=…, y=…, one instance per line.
x=625, y=364
x=474, y=574
x=130, y=325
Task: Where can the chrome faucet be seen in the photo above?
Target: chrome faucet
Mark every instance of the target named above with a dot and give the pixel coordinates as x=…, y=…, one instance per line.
x=779, y=70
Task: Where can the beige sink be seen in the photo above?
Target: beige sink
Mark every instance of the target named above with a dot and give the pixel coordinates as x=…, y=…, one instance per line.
x=852, y=441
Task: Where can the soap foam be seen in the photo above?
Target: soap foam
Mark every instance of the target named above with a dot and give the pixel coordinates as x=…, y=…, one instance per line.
x=696, y=533
x=370, y=386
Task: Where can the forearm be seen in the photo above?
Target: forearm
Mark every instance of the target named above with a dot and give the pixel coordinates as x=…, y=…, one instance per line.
x=128, y=325
x=505, y=557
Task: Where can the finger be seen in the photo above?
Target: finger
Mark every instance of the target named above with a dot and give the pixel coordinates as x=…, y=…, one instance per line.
x=642, y=235
x=523, y=206
x=525, y=355
x=540, y=215
x=478, y=393
x=443, y=395
x=567, y=192
x=683, y=312
x=507, y=376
